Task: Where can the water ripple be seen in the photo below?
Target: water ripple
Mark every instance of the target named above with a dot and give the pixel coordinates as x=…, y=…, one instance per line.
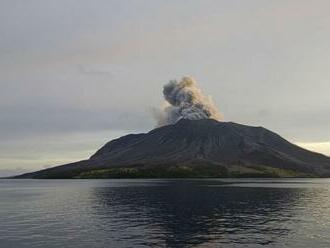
x=165, y=213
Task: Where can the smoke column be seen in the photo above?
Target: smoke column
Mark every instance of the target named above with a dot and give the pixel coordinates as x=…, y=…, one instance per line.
x=185, y=100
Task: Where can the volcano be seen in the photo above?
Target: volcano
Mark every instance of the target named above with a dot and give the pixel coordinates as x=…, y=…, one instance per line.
x=196, y=148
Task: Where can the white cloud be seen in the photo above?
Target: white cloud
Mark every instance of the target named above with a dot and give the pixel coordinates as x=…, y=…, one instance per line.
x=321, y=147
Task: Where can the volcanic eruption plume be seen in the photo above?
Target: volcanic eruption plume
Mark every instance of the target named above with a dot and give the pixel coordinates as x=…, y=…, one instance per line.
x=185, y=100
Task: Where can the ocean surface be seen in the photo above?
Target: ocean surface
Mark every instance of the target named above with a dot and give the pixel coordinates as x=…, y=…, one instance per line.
x=165, y=213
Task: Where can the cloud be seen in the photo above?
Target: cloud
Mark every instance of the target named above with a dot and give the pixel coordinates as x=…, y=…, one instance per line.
x=321, y=147
x=13, y=172
x=185, y=100
x=17, y=122
x=100, y=69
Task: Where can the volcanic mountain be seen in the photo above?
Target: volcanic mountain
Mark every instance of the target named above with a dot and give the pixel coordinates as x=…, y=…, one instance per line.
x=196, y=148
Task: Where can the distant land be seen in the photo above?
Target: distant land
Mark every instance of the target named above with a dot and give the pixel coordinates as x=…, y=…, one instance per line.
x=204, y=148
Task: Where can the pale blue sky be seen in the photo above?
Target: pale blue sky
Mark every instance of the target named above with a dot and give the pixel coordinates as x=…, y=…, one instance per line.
x=75, y=74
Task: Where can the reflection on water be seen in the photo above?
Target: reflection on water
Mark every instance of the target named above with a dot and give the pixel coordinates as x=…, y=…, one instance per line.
x=165, y=213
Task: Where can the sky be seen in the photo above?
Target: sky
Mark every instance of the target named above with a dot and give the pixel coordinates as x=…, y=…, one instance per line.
x=75, y=74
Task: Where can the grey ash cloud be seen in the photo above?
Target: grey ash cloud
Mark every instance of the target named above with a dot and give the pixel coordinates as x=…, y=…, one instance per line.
x=185, y=100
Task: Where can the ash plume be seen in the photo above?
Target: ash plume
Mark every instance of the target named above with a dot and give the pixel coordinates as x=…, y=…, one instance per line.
x=185, y=100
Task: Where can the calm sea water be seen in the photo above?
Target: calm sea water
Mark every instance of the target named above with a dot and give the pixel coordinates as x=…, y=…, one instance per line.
x=165, y=213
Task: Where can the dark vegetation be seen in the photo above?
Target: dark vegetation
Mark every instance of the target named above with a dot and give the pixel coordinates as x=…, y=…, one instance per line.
x=187, y=172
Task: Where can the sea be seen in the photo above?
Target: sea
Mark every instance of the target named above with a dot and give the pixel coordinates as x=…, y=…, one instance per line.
x=165, y=213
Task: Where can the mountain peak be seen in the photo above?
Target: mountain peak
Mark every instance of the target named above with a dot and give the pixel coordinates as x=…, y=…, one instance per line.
x=226, y=147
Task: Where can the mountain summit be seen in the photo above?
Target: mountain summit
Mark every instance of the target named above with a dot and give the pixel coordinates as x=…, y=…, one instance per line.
x=196, y=148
